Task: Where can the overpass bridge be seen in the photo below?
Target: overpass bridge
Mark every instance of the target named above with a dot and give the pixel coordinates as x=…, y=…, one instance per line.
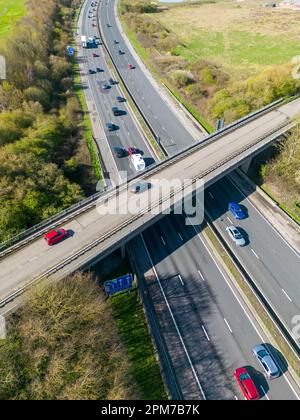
x=95, y=236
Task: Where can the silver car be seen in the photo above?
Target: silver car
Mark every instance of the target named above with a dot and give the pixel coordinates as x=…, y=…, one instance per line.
x=140, y=187
x=236, y=236
x=266, y=361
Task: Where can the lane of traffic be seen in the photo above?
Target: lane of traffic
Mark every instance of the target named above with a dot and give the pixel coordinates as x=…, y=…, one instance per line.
x=208, y=314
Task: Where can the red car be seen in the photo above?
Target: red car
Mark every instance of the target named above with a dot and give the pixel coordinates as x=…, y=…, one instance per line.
x=55, y=236
x=130, y=66
x=133, y=151
x=246, y=384
x=95, y=55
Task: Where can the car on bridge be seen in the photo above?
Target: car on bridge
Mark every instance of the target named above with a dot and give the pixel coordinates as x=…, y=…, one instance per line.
x=140, y=187
x=131, y=67
x=236, y=235
x=120, y=99
x=121, y=52
x=99, y=70
x=237, y=211
x=246, y=384
x=55, y=236
x=105, y=86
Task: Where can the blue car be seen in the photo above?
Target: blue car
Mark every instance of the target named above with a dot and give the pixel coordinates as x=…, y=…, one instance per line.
x=237, y=211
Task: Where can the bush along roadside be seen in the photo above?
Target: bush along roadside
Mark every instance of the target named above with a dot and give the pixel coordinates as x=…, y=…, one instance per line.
x=45, y=164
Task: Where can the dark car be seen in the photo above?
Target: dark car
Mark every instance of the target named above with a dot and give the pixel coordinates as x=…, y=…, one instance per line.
x=91, y=71
x=99, y=70
x=120, y=99
x=120, y=152
x=140, y=187
x=121, y=52
x=105, y=86
x=111, y=126
x=116, y=111
x=112, y=81
x=116, y=42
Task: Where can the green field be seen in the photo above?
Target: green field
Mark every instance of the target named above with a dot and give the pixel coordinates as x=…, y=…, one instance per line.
x=10, y=12
x=242, y=37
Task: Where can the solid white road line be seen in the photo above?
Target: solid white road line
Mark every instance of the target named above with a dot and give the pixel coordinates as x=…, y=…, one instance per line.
x=180, y=278
x=287, y=295
x=265, y=219
x=241, y=305
x=205, y=332
x=228, y=326
x=174, y=321
x=201, y=275
x=265, y=394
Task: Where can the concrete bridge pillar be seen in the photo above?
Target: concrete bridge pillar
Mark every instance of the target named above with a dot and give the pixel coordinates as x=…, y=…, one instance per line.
x=246, y=165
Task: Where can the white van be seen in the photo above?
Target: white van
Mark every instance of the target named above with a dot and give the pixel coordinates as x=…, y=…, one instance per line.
x=138, y=162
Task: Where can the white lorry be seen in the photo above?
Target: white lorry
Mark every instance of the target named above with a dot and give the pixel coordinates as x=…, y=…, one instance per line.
x=138, y=162
x=83, y=41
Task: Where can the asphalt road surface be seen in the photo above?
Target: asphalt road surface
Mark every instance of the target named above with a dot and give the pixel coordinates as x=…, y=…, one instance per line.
x=128, y=134
x=165, y=123
x=207, y=331
x=271, y=262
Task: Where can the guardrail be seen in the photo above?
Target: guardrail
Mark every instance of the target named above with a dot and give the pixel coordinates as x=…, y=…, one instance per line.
x=135, y=217
x=290, y=341
x=36, y=231
x=32, y=233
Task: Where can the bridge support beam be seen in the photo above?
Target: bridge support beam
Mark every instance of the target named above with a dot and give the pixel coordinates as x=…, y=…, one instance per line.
x=246, y=165
x=123, y=252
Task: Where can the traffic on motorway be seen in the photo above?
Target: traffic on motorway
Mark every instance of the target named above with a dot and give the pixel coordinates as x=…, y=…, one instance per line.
x=217, y=347
x=244, y=376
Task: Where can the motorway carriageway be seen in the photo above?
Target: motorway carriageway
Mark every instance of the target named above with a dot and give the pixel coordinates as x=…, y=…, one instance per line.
x=270, y=261
x=227, y=352
x=129, y=134
x=206, y=326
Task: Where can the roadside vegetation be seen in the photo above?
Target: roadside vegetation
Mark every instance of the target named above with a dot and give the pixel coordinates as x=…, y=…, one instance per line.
x=45, y=165
x=69, y=343
x=64, y=344
x=10, y=12
x=223, y=60
x=279, y=173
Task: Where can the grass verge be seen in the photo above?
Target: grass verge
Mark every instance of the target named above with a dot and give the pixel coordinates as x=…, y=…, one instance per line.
x=128, y=312
x=255, y=303
x=11, y=12
x=286, y=209
x=143, y=54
